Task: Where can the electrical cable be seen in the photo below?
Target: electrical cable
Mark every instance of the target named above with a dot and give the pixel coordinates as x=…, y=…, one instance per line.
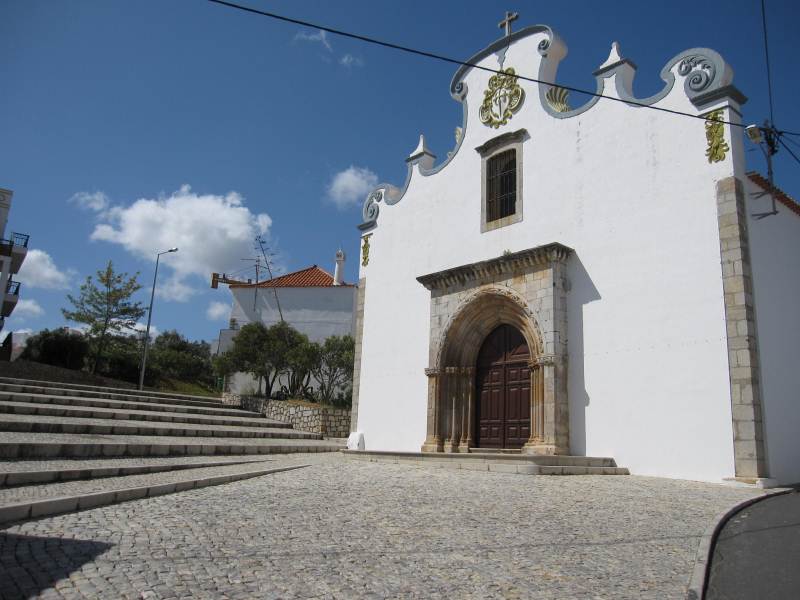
x=440, y=57
x=789, y=150
x=766, y=55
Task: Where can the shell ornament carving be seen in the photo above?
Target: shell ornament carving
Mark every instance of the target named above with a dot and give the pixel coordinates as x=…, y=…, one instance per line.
x=715, y=136
x=502, y=98
x=371, y=208
x=558, y=99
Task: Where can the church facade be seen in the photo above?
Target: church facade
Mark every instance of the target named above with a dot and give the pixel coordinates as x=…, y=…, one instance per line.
x=584, y=280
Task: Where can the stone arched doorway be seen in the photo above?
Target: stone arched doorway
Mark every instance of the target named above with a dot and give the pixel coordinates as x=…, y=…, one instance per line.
x=526, y=292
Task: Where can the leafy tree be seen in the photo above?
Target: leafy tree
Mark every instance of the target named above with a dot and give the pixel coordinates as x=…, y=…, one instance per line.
x=58, y=347
x=106, y=307
x=249, y=354
x=334, y=367
x=121, y=360
x=301, y=359
x=175, y=357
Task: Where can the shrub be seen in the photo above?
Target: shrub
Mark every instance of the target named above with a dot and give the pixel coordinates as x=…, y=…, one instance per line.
x=59, y=347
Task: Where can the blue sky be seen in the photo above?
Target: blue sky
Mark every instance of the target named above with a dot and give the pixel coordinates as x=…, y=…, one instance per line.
x=128, y=127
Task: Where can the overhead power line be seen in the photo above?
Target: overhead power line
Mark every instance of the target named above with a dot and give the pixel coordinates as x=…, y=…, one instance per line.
x=789, y=150
x=454, y=61
x=766, y=56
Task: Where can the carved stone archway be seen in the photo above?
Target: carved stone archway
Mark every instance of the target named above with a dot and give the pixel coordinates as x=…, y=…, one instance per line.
x=526, y=290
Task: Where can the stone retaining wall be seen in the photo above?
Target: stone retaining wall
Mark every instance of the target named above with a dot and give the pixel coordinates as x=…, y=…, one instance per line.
x=330, y=422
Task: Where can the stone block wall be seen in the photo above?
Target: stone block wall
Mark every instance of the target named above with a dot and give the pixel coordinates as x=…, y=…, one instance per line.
x=330, y=422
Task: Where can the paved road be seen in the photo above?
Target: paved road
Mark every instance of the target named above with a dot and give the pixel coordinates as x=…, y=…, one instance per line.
x=347, y=529
x=757, y=553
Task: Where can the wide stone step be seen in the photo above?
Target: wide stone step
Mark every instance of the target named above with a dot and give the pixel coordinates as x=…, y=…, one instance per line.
x=524, y=464
x=51, y=424
x=116, y=414
x=102, y=388
x=123, y=404
x=30, y=472
x=36, y=501
x=76, y=445
x=54, y=391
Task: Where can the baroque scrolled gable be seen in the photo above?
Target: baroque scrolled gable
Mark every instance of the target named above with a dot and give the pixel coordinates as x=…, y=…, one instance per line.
x=706, y=78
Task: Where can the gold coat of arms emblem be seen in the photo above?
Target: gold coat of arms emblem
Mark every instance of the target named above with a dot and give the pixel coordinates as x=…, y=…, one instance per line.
x=502, y=98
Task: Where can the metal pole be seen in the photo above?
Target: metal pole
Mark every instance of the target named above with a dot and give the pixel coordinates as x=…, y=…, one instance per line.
x=147, y=331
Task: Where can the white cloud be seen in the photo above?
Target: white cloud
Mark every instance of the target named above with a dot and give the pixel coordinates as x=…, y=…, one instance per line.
x=140, y=328
x=349, y=187
x=321, y=37
x=349, y=61
x=39, y=271
x=28, y=309
x=96, y=201
x=24, y=331
x=212, y=233
x=218, y=311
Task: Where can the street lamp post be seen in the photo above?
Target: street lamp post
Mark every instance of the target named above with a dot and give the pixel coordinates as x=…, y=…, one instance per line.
x=149, y=315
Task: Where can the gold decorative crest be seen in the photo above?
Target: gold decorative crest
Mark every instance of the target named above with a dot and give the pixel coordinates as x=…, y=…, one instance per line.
x=715, y=136
x=501, y=99
x=365, y=250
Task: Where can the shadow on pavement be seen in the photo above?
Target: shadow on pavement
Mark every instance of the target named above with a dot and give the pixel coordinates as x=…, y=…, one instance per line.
x=31, y=564
x=757, y=553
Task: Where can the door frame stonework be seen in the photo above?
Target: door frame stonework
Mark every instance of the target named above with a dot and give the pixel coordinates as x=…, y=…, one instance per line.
x=524, y=289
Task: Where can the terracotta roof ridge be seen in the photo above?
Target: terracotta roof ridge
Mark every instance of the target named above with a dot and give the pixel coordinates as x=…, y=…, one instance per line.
x=780, y=195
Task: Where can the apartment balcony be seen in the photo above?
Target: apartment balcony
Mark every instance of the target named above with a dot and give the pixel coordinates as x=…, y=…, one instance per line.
x=10, y=298
x=16, y=248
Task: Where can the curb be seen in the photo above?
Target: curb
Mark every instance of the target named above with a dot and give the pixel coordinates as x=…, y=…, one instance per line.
x=52, y=506
x=699, y=578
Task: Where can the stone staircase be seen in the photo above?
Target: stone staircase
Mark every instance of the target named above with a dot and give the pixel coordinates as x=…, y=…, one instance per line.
x=505, y=461
x=70, y=446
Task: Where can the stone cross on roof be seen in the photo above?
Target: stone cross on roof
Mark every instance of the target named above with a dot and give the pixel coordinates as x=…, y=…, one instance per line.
x=506, y=23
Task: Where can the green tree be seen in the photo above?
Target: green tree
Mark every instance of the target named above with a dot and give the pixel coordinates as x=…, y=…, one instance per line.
x=334, y=367
x=249, y=354
x=106, y=307
x=58, y=347
x=175, y=357
x=301, y=359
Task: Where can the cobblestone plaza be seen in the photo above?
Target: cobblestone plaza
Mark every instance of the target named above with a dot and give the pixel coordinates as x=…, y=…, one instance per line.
x=352, y=529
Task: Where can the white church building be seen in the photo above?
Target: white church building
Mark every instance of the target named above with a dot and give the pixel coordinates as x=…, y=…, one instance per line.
x=584, y=280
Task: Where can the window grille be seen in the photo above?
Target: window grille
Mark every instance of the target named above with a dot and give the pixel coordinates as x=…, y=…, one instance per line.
x=501, y=185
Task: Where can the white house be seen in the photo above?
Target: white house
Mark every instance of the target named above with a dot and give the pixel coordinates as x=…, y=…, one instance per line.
x=584, y=279
x=311, y=300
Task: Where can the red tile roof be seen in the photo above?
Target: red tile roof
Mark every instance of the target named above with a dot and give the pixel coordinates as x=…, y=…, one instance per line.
x=313, y=276
x=780, y=195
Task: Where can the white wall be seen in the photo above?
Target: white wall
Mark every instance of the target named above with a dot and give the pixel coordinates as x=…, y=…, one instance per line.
x=632, y=192
x=775, y=259
x=319, y=312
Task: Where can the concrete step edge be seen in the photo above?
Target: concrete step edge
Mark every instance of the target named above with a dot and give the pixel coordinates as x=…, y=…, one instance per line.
x=53, y=506
x=21, y=478
x=149, y=428
x=62, y=391
x=48, y=399
x=127, y=414
x=91, y=449
x=46, y=383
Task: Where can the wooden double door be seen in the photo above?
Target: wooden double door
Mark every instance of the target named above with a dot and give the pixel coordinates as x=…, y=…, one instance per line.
x=503, y=380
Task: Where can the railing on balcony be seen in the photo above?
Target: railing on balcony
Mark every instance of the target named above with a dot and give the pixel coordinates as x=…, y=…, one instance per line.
x=12, y=287
x=20, y=239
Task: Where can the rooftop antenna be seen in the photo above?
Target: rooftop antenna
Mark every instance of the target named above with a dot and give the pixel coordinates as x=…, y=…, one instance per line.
x=260, y=245
x=257, y=261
